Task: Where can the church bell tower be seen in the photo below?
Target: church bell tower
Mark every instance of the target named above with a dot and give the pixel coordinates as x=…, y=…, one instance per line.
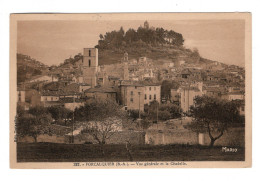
x=90, y=66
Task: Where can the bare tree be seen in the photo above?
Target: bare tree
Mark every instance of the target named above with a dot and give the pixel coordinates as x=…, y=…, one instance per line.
x=102, y=120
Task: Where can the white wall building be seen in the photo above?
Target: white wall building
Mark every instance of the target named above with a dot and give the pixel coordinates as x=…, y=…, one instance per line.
x=152, y=92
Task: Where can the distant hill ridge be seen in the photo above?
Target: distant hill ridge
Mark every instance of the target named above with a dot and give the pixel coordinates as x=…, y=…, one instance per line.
x=28, y=67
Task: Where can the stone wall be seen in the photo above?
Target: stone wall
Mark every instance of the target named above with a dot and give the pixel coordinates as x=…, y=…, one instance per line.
x=43, y=138
x=233, y=137
x=134, y=137
x=181, y=136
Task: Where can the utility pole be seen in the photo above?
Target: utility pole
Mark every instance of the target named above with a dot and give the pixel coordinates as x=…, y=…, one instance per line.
x=157, y=113
x=139, y=93
x=72, y=138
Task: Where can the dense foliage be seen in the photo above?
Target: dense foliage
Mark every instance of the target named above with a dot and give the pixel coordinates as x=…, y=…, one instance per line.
x=214, y=116
x=155, y=110
x=141, y=37
x=38, y=120
x=167, y=85
x=33, y=123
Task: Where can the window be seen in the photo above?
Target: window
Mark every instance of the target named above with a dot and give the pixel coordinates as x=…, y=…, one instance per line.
x=89, y=53
x=45, y=98
x=150, y=97
x=154, y=97
x=89, y=63
x=82, y=60
x=145, y=97
x=51, y=98
x=132, y=93
x=19, y=94
x=150, y=88
x=154, y=88
x=131, y=99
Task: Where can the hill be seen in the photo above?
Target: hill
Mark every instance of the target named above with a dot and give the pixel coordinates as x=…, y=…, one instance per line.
x=157, y=44
x=28, y=67
x=158, y=54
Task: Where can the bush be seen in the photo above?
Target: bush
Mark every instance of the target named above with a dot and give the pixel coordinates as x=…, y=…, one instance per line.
x=164, y=115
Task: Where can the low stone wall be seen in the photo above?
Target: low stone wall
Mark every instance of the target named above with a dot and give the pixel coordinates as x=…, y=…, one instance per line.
x=134, y=137
x=43, y=138
x=182, y=136
x=233, y=137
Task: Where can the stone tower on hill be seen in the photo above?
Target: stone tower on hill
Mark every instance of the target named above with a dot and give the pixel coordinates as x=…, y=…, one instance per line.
x=125, y=67
x=90, y=66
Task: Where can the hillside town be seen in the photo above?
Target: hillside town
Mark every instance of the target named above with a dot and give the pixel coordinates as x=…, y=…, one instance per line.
x=135, y=94
x=130, y=80
x=133, y=84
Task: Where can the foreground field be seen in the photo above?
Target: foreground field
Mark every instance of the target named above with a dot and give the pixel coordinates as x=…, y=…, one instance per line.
x=53, y=152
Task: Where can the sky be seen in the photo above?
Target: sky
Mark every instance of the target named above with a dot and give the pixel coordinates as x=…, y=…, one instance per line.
x=52, y=41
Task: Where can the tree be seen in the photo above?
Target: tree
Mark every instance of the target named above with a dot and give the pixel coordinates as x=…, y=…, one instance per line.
x=131, y=36
x=60, y=114
x=148, y=35
x=103, y=119
x=167, y=85
x=174, y=110
x=213, y=116
x=164, y=115
x=101, y=37
x=195, y=55
x=155, y=112
x=160, y=35
x=30, y=125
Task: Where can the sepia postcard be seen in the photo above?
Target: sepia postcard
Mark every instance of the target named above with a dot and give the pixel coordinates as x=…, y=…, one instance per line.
x=130, y=90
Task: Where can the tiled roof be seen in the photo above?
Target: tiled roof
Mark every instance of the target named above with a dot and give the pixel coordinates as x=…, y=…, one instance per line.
x=84, y=84
x=215, y=89
x=53, y=86
x=113, y=78
x=50, y=93
x=150, y=83
x=58, y=93
x=100, y=89
x=70, y=100
x=74, y=87
x=190, y=88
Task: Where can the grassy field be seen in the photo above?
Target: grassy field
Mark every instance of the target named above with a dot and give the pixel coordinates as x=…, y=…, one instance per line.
x=53, y=152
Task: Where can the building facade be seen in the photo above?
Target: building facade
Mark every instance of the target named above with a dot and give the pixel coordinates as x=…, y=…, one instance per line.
x=102, y=93
x=152, y=92
x=90, y=66
x=132, y=97
x=187, y=96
